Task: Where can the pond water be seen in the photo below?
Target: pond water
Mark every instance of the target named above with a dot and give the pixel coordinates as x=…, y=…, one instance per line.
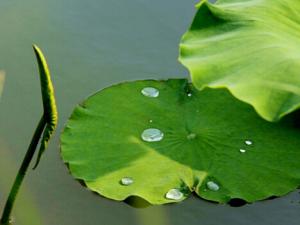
x=91, y=45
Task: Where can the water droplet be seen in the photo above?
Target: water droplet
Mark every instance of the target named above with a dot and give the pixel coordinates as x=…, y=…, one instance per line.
x=242, y=150
x=189, y=94
x=152, y=135
x=191, y=136
x=248, y=142
x=150, y=121
x=174, y=194
x=150, y=92
x=212, y=186
x=126, y=181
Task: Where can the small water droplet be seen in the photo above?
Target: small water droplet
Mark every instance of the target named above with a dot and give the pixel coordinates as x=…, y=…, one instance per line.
x=174, y=194
x=212, y=186
x=126, y=181
x=189, y=94
x=242, y=150
x=150, y=92
x=191, y=136
x=150, y=121
x=152, y=135
x=248, y=142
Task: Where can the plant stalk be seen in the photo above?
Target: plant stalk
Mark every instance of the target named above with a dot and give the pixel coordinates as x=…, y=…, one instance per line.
x=5, y=219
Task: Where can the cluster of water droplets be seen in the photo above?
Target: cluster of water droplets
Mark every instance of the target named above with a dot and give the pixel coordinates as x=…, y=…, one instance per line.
x=151, y=134
x=248, y=143
x=213, y=186
x=154, y=135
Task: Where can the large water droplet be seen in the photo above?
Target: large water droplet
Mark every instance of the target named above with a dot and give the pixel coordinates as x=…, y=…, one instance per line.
x=150, y=92
x=191, y=136
x=174, y=194
x=152, y=135
x=248, y=142
x=242, y=150
x=126, y=181
x=212, y=186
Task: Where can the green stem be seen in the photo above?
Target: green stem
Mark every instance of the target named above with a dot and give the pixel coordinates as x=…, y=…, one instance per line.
x=5, y=219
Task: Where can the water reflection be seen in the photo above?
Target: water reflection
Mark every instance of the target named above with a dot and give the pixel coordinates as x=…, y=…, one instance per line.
x=2, y=77
x=26, y=210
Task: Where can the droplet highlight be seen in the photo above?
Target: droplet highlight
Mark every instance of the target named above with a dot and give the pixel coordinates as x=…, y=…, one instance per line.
x=150, y=92
x=242, y=150
x=189, y=94
x=174, y=194
x=248, y=142
x=152, y=135
x=212, y=186
x=150, y=121
x=191, y=136
x=126, y=181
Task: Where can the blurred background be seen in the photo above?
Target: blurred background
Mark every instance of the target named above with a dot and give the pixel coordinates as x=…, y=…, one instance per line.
x=90, y=45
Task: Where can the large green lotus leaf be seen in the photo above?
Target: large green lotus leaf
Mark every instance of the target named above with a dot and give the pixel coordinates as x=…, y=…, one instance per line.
x=213, y=144
x=251, y=47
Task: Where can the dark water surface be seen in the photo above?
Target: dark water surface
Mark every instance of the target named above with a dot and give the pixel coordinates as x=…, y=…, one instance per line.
x=90, y=45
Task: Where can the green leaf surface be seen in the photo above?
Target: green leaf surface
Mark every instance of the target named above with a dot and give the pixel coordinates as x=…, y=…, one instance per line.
x=251, y=47
x=205, y=135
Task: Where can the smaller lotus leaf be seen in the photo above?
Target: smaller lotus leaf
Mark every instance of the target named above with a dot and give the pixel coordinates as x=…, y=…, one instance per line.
x=205, y=142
